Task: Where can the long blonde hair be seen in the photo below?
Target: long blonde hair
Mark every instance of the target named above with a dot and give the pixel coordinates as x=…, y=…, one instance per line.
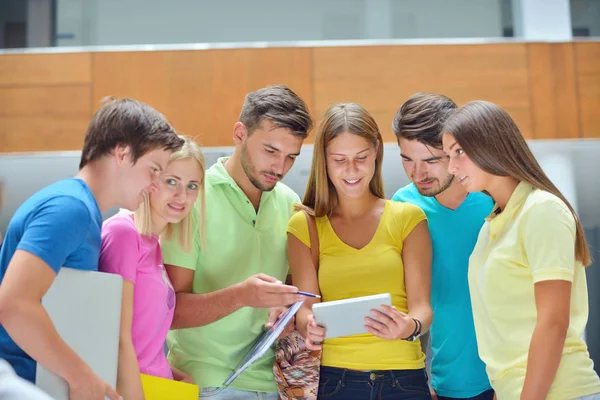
x=320, y=197
x=492, y=139
x=183, y=229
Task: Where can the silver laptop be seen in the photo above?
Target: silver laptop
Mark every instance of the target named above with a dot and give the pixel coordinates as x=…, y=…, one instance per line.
x=85, y=308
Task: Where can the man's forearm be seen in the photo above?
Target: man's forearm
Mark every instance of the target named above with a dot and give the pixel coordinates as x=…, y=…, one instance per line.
x=199, y=309
x=29, y=325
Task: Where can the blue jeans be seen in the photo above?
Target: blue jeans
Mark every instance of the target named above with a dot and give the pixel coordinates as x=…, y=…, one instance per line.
x=487, y=395
x=214, y=393
x=346, y=384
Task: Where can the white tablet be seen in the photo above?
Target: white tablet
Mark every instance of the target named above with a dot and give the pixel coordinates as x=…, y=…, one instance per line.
x=347, y=317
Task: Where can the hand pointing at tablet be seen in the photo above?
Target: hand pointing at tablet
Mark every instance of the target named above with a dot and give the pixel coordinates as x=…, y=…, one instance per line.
x=264, y=291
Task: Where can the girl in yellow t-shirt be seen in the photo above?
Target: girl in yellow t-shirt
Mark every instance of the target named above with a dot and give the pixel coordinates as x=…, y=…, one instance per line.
x=526, y=273
x=368, y=245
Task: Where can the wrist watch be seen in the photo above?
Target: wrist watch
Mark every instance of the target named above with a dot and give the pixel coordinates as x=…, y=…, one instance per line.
x=416, y=333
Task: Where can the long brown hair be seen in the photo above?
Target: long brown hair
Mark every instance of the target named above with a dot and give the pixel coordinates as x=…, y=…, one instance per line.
x=320, y=197
x=491, y=138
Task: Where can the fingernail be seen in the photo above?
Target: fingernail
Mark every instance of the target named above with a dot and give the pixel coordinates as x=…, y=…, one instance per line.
x=277, y=281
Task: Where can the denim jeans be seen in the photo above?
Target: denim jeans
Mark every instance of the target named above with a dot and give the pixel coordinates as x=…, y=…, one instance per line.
x=214, y=393
x=346, y=384
x=487, y=395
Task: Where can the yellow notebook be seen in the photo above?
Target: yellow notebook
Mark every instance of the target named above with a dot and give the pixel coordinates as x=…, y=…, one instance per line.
x=167, y=389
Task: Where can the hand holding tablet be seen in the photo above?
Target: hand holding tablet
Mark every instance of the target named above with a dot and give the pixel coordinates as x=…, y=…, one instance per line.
x=391, y=324
x=315, y=334
x=346, y=317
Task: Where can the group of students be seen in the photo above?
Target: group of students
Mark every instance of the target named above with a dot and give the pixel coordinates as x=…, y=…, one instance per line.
x=481, y=251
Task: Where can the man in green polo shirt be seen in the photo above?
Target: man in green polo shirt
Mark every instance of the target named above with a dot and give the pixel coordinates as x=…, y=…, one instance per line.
x=225, y=290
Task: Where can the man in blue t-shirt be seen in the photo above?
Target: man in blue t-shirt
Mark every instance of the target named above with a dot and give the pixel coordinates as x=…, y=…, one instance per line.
x=455, y=218
x=126, y=144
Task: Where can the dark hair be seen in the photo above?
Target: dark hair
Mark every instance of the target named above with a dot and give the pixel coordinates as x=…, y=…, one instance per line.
x=492, y=140
x=422, y=118
x=127, y=122
x=278, y=104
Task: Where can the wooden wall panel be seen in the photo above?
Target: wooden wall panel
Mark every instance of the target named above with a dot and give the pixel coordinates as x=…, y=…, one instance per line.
x=45, y=101
x=141, y=75
x=554, y=100
x=49, y=101
x=551, y=89
x=25, y=134
x=382, y=78
x=201, y=92
x=44, y=118
x=588, y=85
x=45, y=69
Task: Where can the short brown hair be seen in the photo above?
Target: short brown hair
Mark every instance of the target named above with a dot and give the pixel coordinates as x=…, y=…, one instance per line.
x=278, y=104
x=127, y=122
x=422, y=118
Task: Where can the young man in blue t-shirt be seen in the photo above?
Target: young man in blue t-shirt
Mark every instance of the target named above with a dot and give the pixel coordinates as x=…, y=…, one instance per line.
x=126, y=144
x=455, y=218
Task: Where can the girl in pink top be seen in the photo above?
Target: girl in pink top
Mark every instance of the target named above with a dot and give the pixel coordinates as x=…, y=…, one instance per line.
x=130, y=248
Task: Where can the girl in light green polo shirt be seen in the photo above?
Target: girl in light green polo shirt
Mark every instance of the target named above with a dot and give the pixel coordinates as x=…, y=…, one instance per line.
x=526, y=273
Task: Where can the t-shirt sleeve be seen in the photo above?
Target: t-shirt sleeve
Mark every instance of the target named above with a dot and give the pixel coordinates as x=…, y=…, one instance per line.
x=398, y=196
x=56, y=229
x=120, y=252
x=173, y=252
x=548, y=234
x=298, y=226
x=411, y=216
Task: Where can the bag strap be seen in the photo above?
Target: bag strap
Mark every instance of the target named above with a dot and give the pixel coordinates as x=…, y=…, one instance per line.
x=314, y=239
x=292, y=392
x=314, y=252
x=296, y=392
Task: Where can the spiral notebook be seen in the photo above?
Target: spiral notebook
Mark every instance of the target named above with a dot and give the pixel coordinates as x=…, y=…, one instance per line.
x=264, y=342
